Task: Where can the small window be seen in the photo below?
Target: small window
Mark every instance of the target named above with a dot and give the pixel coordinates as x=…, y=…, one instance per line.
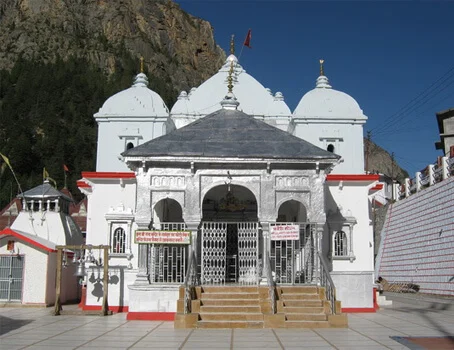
x=330, y=148
x=119, y=241
x=340, y=244
x=129, y=145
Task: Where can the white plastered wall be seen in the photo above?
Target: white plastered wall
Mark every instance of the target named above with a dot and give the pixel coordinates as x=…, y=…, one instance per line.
x=107, y=194
x=353, y=278
x=347, y=139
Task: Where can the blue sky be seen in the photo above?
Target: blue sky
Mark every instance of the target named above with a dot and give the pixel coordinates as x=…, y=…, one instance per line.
x=396, y=58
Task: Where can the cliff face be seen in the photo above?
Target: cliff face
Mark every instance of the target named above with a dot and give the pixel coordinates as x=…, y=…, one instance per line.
x=377, y=160
x=175, y=45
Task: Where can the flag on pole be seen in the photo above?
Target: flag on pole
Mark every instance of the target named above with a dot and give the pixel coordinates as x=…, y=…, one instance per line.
x=247, y=41
x=5, y=159
x=65, y=168
x=45, y=174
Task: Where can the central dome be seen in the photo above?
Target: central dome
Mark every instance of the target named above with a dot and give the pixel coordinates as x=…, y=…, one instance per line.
x=253, y=97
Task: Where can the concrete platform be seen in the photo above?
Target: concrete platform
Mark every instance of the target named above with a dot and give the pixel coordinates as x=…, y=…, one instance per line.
x=36, y=328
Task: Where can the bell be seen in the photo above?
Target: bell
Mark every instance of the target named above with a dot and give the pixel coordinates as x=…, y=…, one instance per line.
x=80, y=272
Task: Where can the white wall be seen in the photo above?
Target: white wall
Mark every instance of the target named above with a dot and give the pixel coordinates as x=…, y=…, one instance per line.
x=107, y=194
x=113, y=136
x=118, y=292
x=351, y=148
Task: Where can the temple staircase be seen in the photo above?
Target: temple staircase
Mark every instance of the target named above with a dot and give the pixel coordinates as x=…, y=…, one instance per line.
x=233, y=306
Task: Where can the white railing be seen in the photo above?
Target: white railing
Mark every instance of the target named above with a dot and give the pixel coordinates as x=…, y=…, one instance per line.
x=434, y=173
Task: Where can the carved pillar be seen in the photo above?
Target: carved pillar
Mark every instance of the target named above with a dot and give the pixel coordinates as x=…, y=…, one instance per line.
x=265, y=252
x=143, y=276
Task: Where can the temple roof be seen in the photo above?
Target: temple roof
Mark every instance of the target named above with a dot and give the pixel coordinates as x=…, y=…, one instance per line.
x=230, y=133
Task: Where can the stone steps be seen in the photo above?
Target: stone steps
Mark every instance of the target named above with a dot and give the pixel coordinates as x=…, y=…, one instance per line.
x=230, y=324
x=250, y=307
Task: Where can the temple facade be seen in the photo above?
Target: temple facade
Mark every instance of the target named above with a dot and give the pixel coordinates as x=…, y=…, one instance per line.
x=232, y=185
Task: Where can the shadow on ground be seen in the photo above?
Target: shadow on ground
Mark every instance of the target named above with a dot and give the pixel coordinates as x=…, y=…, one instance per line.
x=8, y=324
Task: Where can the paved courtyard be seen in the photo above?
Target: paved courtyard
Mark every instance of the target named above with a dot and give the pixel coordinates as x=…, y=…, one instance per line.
x=36, y=328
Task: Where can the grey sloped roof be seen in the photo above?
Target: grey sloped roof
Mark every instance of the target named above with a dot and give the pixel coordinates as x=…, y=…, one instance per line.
x=44, y=191
x=230, y=133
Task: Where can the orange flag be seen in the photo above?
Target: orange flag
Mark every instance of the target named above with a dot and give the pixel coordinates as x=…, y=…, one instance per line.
x=247, y=41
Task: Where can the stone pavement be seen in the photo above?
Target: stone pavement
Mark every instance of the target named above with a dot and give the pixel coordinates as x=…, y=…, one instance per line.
x=36, y=328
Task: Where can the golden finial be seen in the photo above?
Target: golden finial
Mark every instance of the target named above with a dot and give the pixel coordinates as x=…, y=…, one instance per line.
x=230, y=78
x=141, y=64
x=232, y=45
x=322, y=72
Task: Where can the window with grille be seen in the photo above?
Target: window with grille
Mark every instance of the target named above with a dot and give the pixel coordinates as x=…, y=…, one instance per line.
x=119, y=241
x=340, y=244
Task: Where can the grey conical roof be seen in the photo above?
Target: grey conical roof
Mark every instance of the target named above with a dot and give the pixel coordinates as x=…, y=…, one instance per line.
x=44, y=191
x=230, y=133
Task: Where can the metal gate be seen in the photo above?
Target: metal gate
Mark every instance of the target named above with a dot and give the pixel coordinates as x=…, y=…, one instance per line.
x=168, y=261
x=11, y=271
x=248, y=248
x=221, y=264
x=293, y=261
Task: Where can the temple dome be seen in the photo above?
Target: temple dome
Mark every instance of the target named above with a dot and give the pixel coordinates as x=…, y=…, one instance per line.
x=137, y=101
x=253, y=97
x=324, y=102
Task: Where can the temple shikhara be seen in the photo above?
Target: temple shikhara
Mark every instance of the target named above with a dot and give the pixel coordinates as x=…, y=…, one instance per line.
x=230, y=210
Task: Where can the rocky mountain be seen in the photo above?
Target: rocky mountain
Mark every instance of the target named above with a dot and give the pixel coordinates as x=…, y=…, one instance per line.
x=378, y=160
x=177, y=47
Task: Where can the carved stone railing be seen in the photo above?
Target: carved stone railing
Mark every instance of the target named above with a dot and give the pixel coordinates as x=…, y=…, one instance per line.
x=327, y=282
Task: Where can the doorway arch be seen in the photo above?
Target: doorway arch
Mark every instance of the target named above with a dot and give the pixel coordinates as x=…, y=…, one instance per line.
x=230, y=241
x=167, y=210
x=292, y=211
x=229, y=203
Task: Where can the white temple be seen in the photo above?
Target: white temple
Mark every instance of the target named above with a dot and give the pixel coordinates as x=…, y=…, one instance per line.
x=234, y=185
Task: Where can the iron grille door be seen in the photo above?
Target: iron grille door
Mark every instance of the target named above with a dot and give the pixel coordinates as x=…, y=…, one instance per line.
x=293, y=262
x=214, y=244
x=248, y=252
x=11, y=271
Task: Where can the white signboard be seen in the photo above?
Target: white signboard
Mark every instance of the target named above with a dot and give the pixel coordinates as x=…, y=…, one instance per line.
x=162, y=237
x=285, y=233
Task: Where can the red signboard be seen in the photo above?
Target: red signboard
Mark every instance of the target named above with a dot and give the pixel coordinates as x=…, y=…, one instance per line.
x=285, y=233
x=162, y=237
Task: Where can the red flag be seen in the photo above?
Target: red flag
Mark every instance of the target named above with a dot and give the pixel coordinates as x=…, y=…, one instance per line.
x=247, y=41
x=65, y=168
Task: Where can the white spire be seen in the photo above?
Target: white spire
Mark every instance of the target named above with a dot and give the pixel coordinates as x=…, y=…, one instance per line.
x=140, y=80
x=230, y=101
x=322, y=83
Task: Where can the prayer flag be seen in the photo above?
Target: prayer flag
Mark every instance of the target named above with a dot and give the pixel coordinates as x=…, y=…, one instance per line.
x=247, y=41
x=65, y=168
x=45, y=174
x=5, y=159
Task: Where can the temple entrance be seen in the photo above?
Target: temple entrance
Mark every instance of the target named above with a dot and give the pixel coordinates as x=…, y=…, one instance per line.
x=229, y=241
x=293, y=260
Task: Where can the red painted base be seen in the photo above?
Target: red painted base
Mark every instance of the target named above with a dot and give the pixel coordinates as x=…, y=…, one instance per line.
x=151, y=316
x=115, y=309
x=358, y=309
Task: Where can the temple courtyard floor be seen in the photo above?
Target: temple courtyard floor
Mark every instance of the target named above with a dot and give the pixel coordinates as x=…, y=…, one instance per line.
x=412, y=322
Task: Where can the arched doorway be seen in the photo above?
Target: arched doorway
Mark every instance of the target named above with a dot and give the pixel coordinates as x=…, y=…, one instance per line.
x=293, y=260
x=292, y=211
x=230, y=241
x=167, y=262
x=167, y=210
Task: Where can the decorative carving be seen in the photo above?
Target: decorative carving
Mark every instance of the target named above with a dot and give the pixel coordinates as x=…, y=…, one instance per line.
x=168, y=181
x=291, y=181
